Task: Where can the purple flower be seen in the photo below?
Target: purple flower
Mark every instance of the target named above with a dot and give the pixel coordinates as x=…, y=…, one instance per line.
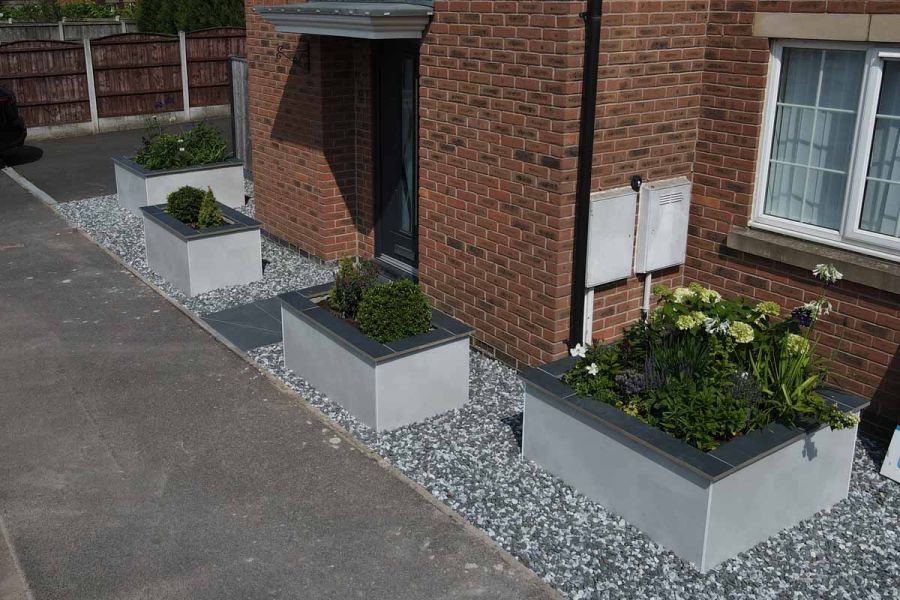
x=802, y=315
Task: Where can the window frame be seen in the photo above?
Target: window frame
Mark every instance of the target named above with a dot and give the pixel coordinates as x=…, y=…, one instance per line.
x=850, y=236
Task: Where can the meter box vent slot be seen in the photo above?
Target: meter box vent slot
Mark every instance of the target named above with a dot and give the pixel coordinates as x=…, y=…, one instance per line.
x=663, y=215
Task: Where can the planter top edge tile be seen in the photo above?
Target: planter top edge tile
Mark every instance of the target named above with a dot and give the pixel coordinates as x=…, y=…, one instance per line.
x=130, y=165
x=301, y=303
x=239, y=222
x=728, y=458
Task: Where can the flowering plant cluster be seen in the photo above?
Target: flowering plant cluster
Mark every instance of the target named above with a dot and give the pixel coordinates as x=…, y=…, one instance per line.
x=201, y=145
x=707, y=369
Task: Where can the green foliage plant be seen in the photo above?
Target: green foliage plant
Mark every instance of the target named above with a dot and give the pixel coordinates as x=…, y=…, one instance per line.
x=201, y=145
x=210, y=215
x=184, y=204
x=51, y=11
x=172, y=16
x=351, y=281
x=707, y=369
x=393, y=311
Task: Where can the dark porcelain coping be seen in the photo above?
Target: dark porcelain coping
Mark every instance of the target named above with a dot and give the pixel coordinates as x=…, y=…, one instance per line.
x=714, y=465
x=445, y=329
x=130, y=165
x=238, y=222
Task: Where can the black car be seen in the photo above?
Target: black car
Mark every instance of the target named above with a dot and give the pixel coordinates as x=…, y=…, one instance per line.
x=12, y=127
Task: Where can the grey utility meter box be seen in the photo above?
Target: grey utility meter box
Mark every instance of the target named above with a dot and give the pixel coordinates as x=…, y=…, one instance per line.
x=610, y=236
x=664, y=211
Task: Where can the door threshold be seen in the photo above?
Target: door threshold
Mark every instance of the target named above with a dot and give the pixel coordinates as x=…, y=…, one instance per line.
x=395, y=268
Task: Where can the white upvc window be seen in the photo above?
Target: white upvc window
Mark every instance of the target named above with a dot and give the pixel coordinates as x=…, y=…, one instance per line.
x=829, y=164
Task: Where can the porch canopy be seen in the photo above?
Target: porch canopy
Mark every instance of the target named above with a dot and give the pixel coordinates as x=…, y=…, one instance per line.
x=365, y=19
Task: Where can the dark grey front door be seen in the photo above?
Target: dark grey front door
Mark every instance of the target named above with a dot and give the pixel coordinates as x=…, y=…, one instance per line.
x=396, y=153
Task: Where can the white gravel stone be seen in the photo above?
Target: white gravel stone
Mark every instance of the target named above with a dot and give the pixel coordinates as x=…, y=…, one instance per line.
x=470, y=459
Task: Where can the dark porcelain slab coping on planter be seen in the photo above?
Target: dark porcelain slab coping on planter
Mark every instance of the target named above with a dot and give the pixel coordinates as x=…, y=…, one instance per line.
x=127, y=163
x=721, y=462
x=445, y=329
x=239, y=222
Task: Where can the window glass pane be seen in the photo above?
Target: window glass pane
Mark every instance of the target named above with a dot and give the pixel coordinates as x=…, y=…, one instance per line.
x=815, y=122
x=881, y=203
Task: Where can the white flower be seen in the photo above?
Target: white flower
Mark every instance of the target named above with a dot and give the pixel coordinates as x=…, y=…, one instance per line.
x=579, y=351
x=715, y=326
x=818, y=308
x=181, y=149
x=827, y=273
x=172, y=119
x=682, y=295
x=593, y=369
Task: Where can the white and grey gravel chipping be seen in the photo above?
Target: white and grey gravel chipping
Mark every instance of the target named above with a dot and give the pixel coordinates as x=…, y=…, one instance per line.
x=470, y=460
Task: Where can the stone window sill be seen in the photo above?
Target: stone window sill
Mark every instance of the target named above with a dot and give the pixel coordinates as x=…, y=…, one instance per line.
x=865, y=270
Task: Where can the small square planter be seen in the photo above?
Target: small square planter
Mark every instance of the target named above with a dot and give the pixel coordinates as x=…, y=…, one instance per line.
x=706, y=507
x=200, y=260
x=137, y=186
x=383, y=385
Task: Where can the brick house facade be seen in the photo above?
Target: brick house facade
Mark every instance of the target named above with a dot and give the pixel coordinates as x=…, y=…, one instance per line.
x=681, y=92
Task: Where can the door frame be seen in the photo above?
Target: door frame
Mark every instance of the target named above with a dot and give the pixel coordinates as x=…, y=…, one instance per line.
x=388, y=263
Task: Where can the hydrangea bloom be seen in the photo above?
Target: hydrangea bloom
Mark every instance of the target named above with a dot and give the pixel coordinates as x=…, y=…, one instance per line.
x=684, y=322
x=682, y=295
x=741, y=332
x=796, y=344
x=769, y=309
x=710, y=296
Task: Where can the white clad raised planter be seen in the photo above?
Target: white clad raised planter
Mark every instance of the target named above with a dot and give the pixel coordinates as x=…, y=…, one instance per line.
x=199, y=260
x=137, y=186
x=385, y=386
x=706, y=507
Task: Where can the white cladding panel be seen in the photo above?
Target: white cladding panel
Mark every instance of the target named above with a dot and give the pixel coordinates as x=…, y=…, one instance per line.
x=611, y=236
x=665, y=208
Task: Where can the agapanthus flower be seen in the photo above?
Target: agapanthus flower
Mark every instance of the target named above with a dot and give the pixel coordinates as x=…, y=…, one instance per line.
x=712, y=325
x=741, y=332
x=682, y=295
x=579, y=351
x=593, y=369
x=827, y=273
x=818, y=308
x=796, y=344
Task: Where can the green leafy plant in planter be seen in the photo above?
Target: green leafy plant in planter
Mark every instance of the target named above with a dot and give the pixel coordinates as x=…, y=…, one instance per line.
x=194, y=207
x=707, y=369
x=393, y=311
x=351, y=281
x=201, y=145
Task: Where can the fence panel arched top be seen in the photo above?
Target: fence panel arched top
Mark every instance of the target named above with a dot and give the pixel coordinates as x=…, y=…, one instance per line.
x=32, y=45
x=217, y=31
x=134, y=38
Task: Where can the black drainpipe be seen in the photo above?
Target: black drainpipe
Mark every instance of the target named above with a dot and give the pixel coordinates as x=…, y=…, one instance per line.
x=592, y=19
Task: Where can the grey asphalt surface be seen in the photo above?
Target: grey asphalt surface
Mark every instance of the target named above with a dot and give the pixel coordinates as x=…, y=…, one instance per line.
x=81, y=167
x=140, y=458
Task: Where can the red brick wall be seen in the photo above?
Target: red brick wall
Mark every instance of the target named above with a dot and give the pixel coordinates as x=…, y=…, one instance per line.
x=862, y=336
x=500, y=85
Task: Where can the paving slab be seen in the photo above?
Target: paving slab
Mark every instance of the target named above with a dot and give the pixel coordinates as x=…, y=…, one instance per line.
x=81, y=167
x=143, y=459
x=250, y=325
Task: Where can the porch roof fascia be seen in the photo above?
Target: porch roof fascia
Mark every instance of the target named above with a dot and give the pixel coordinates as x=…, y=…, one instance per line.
x=352, y=18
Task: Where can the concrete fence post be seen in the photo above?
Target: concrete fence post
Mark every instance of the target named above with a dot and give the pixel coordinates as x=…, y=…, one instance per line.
x=92, y=89
x=61, y=27
x=185, y=91
x=124, y=26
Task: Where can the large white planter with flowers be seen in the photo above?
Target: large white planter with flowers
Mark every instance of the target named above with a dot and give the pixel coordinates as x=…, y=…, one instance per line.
x=137, y=186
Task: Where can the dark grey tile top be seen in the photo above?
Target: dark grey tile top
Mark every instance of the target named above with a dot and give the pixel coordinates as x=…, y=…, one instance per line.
x=236, y=222
x=250, y=325
x=724, y=460
x=445, y=329
x=127, y=163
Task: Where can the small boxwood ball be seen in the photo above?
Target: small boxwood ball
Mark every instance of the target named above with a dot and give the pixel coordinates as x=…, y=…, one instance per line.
x=393, y=311
x=184, y=204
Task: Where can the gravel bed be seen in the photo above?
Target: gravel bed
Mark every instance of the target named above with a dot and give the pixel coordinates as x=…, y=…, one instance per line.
x=123, y=234
x=469, y=459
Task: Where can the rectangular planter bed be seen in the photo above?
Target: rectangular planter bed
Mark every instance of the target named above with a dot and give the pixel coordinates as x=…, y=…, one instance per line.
x=706, y=507
x=199, y=260
x=137, y=186
x=383, y=385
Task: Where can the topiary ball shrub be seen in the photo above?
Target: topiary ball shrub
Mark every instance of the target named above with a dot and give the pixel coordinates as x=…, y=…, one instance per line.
x=184, y=204
x=393, y=311
x=350, y=283
x=210, y=214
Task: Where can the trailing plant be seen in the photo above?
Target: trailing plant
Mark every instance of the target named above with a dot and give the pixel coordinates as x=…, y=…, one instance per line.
x=210, y=215
x=184, y=204
x=706, y=369
x=350, y=283
x=201, y=145
x=393, y=311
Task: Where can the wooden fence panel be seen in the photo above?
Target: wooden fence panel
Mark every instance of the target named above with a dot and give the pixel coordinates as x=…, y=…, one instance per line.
x=49, y=79
x=208, y=52
x=137, y=74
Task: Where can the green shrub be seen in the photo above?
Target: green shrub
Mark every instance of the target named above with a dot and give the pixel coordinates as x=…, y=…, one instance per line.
x=172, y=16
x=184, y=204
x=201, y=145
x=350, y=283
x=51, y=11
x=393, y=311
x=707, y=369
x=210, y=214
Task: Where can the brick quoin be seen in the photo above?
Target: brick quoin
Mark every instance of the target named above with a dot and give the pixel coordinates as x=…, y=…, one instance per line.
x=681, y=89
